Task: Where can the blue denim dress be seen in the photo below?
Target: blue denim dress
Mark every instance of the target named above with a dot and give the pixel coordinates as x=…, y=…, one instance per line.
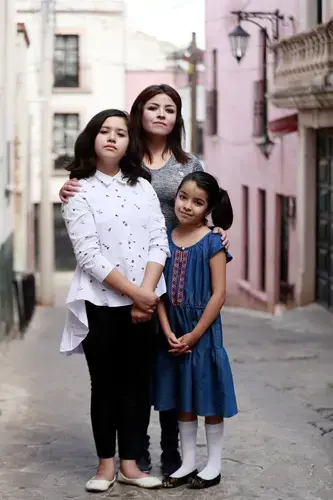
x=199, y=382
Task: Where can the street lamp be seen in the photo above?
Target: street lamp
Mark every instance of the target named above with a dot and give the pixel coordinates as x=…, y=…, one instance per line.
x=239, y=40
x=266, y=146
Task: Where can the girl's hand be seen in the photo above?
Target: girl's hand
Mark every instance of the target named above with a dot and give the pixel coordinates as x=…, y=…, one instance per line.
x=173, y=341
x=139, y=316
x=189, y=340
x=145, y=300
x=186, y=342
x=69, y=189
x=224, y=236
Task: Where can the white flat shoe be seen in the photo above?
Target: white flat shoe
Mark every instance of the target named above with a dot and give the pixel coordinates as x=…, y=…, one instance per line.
x=99, y=485
x=142, y=482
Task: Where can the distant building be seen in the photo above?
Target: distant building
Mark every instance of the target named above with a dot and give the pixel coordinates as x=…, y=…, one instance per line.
x=185, y=93
x=150, y=61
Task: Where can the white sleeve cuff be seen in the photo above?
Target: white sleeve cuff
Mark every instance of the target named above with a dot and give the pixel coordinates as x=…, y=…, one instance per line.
x=157, y=255
x=101, y=270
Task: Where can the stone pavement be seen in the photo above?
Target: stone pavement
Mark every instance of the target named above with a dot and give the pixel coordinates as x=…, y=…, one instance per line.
x=279, y=447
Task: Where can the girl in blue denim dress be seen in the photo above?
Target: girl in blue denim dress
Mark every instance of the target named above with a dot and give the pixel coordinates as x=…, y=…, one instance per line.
x=193, y=373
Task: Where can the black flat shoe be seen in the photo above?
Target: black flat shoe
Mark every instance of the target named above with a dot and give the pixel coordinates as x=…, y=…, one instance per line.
x=170, y=462
x=144, y=462
x=175, y=482
x=198, y=483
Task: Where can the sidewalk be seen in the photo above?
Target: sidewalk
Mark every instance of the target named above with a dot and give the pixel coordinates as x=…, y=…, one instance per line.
x=280, y=446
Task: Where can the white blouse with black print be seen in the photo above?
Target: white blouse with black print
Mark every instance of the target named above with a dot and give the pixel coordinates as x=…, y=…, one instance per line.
x=112, y=225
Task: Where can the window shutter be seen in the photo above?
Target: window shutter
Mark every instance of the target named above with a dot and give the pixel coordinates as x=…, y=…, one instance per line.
x=258, y=109
x=211, y=111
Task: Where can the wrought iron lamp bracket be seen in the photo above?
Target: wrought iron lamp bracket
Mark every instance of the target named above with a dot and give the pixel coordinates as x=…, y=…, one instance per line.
x=273, y=17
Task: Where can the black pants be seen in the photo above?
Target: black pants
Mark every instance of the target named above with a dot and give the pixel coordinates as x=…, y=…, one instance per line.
x=169, y=430
x=119, y=355
x=168, y=419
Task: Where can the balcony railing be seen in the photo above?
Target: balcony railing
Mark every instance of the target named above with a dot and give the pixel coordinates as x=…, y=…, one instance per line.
x=303, y=73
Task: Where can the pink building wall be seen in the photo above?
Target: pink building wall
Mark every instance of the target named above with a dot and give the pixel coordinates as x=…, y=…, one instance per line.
x=137, y=80
x=232, y=156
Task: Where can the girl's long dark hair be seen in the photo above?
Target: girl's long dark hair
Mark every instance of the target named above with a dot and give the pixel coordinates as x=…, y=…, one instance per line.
x=174, y=139
x=219, y=203
x=83, y=164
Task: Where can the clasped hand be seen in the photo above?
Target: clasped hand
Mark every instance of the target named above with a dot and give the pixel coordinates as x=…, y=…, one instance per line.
x=182, y=345
x=145, y=303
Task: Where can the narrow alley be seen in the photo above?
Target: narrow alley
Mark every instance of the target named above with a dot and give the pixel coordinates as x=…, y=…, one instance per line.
x=280, y=446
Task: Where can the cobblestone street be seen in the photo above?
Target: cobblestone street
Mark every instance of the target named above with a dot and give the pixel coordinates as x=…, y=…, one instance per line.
x=279, y=447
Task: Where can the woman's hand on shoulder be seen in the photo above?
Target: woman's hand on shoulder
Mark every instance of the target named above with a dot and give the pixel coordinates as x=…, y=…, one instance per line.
x=69, y=189
x=224, y=236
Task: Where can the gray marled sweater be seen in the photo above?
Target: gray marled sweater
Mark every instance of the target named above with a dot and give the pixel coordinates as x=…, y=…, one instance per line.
x=166, y=180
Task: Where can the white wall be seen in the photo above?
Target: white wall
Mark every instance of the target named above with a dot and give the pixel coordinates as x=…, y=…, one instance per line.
x=101, y=29
x=7, y=108
x=308, y=13
x=21, y=174
x=145, y=52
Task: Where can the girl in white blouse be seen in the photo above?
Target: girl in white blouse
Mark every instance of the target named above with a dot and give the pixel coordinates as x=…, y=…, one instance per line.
x=119, y=238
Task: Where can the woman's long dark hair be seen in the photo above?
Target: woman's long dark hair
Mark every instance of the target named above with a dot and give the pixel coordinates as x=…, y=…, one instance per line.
x=219, y=203
x=83, y=164
x=174, y=139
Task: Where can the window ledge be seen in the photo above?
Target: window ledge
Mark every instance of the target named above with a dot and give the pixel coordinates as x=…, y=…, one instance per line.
x=245, y=286
x=71, y=90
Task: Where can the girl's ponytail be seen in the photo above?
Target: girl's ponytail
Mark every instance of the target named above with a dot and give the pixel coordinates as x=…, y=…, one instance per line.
x=222, y=212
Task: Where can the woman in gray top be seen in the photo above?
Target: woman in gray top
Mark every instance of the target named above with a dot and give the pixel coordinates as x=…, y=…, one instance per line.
x=157, y=124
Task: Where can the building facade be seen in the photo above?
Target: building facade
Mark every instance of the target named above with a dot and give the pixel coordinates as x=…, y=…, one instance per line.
x=7, y=109
x=88, y=76
x=15, y=207
x=303, y=81
x=282, y=234
x=22, y=204
x=97, y=63
x=148, y=62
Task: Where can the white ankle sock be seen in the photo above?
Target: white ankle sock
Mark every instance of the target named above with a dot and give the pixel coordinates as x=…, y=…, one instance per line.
x=214, y=436
x=188, y=442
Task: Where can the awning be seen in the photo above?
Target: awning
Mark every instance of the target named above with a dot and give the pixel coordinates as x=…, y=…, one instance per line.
x=284, y=125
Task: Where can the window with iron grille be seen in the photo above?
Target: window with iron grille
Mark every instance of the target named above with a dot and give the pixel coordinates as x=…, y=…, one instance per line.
x=246, y=232
x=262, y=238
x=65, y=132
x=319, y=11
x=66, y=61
